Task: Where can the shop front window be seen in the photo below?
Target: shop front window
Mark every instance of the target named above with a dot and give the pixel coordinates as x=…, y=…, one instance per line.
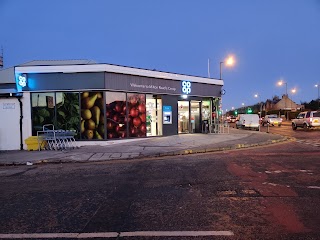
x=43, y=110
x=116, y=115
x=154, y=115
x=137, y=114
x=195, y=117
x=68, y=111
x=159, y=116
x=92, y=115
x=206, y=110
x=183, y=117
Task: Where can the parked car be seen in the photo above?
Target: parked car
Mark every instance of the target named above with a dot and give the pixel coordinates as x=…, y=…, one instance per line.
x=248, y=121
x=272, y=120
x=306, y=120
x=231, y=119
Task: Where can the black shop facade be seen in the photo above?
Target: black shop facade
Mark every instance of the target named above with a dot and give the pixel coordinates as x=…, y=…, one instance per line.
x=104, y=102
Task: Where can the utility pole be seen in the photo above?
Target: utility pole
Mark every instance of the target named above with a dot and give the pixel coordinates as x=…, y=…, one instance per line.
x=1, y=58
x=208, y=67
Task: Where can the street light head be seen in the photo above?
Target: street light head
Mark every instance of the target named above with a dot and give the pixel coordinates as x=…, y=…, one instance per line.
x=280, y=83
x=293, y=90
x=316, y=85
x=230, y=61
x=256, y=95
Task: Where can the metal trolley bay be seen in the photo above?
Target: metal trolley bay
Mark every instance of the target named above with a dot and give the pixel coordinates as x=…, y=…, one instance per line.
x=55, y=139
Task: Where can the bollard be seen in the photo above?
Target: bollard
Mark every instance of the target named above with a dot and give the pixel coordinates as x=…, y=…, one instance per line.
x=267, y=127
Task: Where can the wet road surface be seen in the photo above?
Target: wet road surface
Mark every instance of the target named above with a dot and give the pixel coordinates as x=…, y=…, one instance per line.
x=267, y=192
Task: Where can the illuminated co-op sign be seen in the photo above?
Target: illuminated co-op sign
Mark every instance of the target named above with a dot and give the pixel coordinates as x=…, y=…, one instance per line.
x=186, y=87
x=22, y=80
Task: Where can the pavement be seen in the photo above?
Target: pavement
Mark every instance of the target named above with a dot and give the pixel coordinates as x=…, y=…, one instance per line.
x=128, y=149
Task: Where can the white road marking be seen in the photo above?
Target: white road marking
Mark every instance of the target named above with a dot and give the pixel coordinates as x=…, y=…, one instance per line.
x=315, y=187
x=115, y=234
x=39, y=235
x=176, y=233
x=98, y=235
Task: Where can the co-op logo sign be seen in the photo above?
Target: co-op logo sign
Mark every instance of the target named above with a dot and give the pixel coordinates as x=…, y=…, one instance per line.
x=21, y=81
x=186, y=87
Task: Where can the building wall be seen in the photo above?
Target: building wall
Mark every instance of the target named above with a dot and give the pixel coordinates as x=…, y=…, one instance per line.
x=9, y=124
x=43, y=82
x=171, y=129
x=27, y=120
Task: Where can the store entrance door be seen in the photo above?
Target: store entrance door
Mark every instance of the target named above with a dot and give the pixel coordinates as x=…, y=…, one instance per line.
x=195, y=121
x=183, y=117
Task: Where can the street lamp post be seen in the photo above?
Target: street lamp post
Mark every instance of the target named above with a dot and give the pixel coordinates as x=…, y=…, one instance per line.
x=293, y=91
x=280, y=83
x=258, y=96
x=317, y=86
x=229, y=62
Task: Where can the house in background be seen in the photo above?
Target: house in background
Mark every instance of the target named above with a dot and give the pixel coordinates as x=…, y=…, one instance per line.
x=285, y=103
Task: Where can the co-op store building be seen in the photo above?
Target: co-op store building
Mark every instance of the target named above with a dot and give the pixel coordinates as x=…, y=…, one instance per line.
x=103, y=102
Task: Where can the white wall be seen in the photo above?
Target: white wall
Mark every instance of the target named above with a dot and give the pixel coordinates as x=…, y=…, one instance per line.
x=9, y=124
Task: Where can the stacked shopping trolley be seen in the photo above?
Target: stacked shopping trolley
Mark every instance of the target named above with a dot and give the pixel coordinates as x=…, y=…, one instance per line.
x=55, y=139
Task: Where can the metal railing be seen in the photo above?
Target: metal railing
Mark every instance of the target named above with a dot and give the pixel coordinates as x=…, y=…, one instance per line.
x=220, y=128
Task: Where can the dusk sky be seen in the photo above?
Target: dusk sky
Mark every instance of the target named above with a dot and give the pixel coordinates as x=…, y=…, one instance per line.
x=270, y=40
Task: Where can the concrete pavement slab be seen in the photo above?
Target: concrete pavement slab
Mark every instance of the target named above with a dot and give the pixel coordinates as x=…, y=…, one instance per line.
x=146, y=147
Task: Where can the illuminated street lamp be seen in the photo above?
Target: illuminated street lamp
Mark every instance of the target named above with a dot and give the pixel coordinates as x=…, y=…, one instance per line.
x=242, y=104
x=317, y=86
x=258, y=96
x=229, y=62
x=280, y=83
x=293, y=91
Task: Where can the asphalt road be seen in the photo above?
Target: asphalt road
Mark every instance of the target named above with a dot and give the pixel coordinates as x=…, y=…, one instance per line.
x=311, y=136
x=260, y=193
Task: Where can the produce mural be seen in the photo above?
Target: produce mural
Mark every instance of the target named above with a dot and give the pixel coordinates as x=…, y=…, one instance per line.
x=137, y=115
x=125, y=114
x=92, y=115
x=42, y=112
x=68, y=111
x=116, y=113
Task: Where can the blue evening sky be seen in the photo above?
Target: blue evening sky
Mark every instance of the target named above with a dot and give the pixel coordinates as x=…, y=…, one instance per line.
x=271, y=40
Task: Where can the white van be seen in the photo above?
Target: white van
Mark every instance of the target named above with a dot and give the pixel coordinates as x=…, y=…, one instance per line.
x=250, y=121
